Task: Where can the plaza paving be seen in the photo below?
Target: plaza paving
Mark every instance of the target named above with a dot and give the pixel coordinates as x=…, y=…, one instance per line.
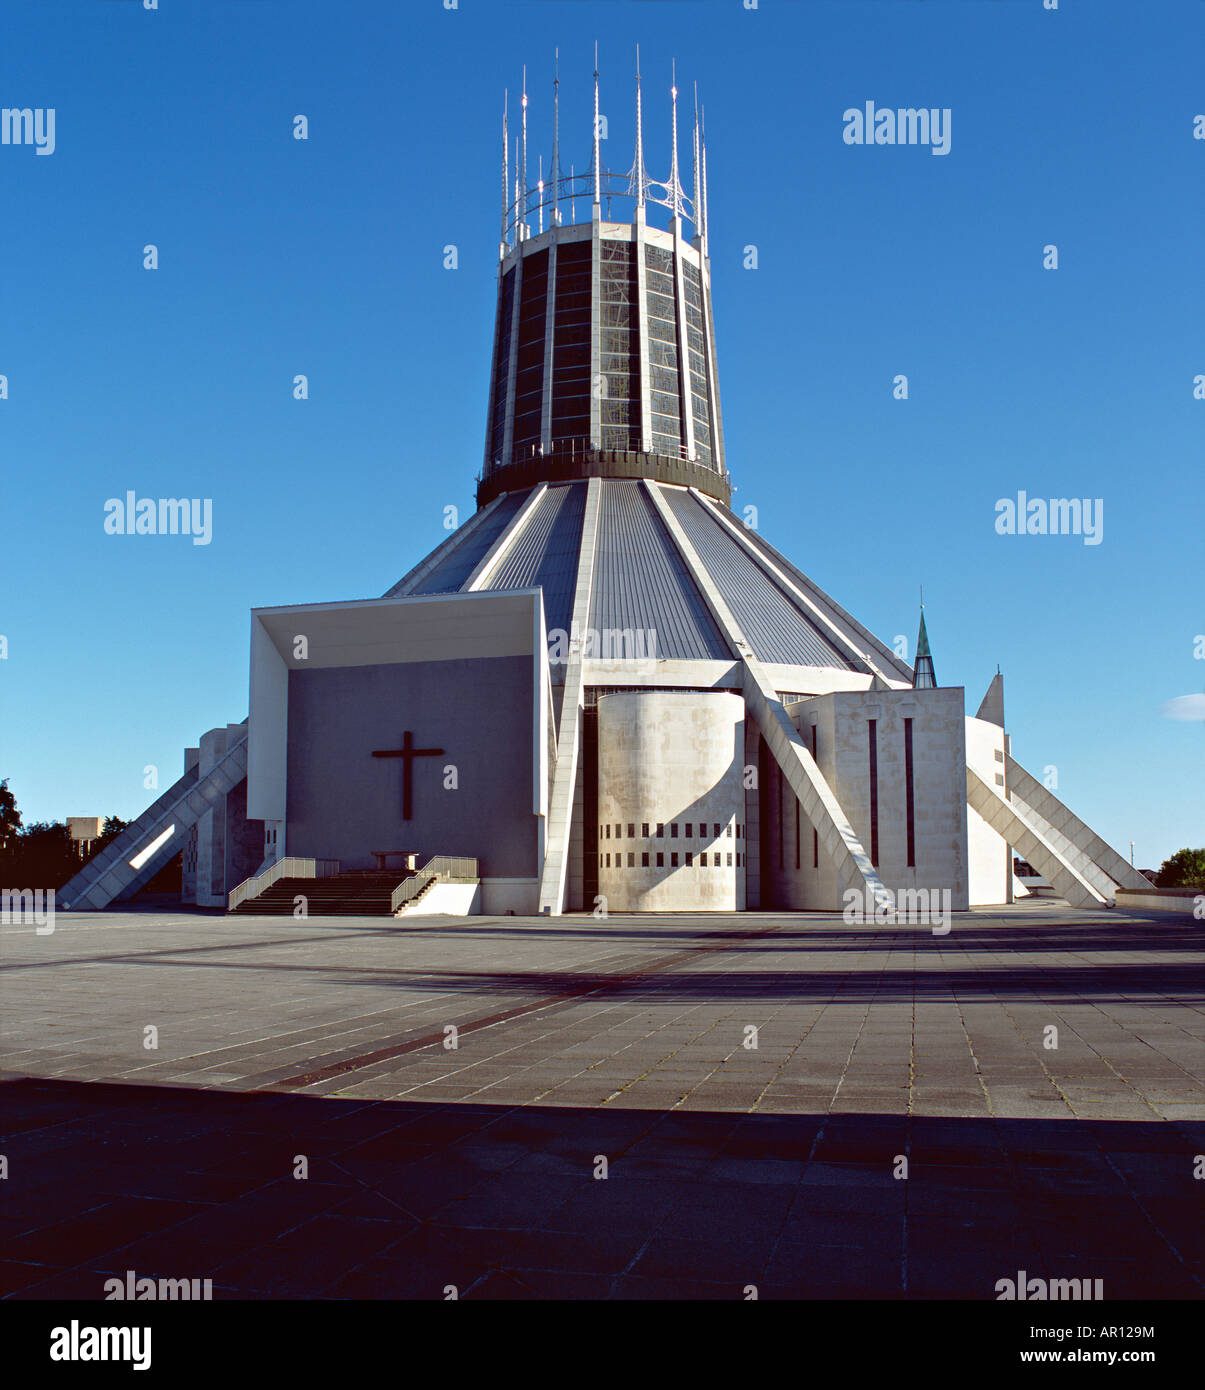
x=628, y=1040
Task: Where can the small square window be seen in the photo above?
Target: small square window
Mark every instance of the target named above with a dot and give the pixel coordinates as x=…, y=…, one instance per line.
x=673, y=861
x=608, y=832
x=644, y=830
x=690, y=830
x=631, y=860
x=608, y=861
x=673, y=830
x=619, y=832
x=730, y=859
x=730, y=830
x=738, y=830
x=999, y=754
x=644, y=860
x=716, y=836
x=690, y=860
x=631, y=831
x=999, y=779
x=738, y=859
x=660, y=830
x=660, y=860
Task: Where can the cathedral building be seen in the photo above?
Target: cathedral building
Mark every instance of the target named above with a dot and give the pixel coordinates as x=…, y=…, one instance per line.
x=604, y=689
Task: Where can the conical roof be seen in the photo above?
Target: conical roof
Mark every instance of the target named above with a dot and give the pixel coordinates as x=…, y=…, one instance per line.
x=533, y=538
x=924, y=677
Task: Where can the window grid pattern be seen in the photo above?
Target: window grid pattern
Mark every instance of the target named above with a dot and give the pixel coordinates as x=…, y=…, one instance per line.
x=619, y=347
x=506, y=302
x=665, y=408
x=696, y=351
x=571, y=342
x=529, y=376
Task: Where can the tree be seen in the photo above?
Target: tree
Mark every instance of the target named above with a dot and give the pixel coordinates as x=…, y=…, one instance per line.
x=43, y=856
x=1185, y=869
x=10, y=817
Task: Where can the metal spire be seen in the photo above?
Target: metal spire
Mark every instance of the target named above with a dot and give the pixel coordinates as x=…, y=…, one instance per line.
x=525, y=199
x=703, y=144
x=638, y=167
x=540, y=194
x=556, y=138
x=505, y=162
x=597, y=184
x=923, y=675
x=695, y=165
x=518, y=218
x=675, y=186
x=572, y=198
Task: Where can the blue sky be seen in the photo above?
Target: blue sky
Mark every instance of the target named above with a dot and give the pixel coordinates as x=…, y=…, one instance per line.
x=324, y=257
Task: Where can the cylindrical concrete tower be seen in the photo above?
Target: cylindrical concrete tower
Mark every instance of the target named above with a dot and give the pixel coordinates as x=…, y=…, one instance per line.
x=671, y=801
x=604, y=351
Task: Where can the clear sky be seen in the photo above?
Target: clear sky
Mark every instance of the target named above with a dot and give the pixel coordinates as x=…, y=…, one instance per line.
x=325, y=257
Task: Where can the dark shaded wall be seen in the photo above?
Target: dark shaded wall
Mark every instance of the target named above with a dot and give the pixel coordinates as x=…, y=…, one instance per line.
x=343, y=803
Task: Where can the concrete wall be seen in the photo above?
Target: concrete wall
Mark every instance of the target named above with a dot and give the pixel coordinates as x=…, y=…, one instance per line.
x=446, y=900
x=343, y=803
x=990, y=859
x=675, y=759
x=1186, y=900
x=500, y=896
x=224, y=847
x=841, y=721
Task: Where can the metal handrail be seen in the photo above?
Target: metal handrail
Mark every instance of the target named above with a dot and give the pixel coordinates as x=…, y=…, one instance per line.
x=291, y=866
x=441, y=866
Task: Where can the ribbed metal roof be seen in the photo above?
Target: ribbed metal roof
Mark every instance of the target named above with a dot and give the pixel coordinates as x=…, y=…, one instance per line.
x=641, y=582
x=861, y=637
x=771, y=623
x=545, y=552
x=462, y=559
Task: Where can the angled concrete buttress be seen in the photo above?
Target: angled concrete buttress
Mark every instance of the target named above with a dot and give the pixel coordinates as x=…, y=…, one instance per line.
x=1014, y=824
x=110, y=874
x=1079, y=845
x=837, y=836
x=555, y=875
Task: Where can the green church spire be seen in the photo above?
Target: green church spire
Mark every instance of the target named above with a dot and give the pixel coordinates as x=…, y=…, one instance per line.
x=923, y=677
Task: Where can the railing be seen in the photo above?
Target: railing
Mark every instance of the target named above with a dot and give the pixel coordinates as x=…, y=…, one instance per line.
x=442, y=866
x=288, y=867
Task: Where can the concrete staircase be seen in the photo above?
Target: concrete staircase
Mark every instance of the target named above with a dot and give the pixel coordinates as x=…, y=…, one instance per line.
x=357, y=893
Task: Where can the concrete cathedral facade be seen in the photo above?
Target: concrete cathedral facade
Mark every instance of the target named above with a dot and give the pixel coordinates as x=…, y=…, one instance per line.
x=603, y=688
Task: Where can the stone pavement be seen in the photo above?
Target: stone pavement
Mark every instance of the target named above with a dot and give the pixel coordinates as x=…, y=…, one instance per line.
x=727, y=1164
